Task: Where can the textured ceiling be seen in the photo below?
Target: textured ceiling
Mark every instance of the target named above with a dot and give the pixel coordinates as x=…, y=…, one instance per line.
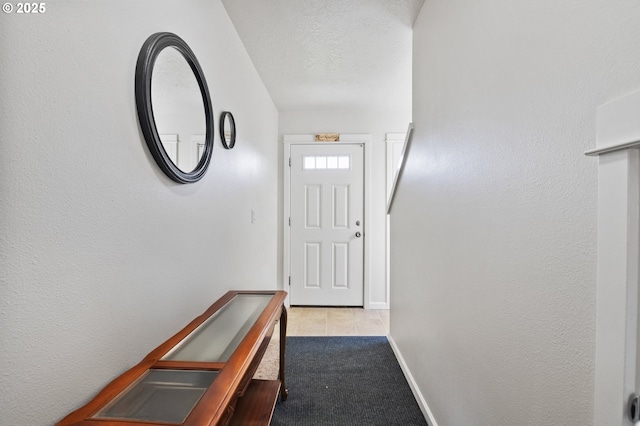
x=330, y=54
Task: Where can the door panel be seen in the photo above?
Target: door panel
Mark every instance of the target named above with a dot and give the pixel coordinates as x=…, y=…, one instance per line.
x=312, y=206
x=340, y=265
x=340, y=207
x=312, y=264
x=327, y=208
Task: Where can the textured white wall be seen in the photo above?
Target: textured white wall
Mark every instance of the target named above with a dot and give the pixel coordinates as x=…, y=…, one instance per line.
x=101, y=256
x=330, y=54
x=494, y=222
x=377, y=124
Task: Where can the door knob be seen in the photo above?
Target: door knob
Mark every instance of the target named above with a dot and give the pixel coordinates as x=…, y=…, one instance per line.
x=634, y=408
x=358, y=234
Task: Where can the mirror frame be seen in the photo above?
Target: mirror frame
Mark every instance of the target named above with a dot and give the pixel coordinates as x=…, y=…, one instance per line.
x=226, y=115
x=144, y=72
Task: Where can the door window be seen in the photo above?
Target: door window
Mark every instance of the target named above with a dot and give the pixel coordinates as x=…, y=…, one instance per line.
x=325, y=162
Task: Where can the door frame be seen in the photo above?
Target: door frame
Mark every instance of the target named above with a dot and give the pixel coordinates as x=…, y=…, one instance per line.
x=618, y=314
x=288, y=141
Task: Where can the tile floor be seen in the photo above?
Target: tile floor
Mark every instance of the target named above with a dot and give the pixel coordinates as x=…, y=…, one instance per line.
x=320, y=321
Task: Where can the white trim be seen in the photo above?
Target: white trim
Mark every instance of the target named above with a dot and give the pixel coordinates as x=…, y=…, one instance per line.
x=617, y=286
x=422, y=403
x=289, y=140
x=395, y=137
x=286, y=217
x=616, y=357
x=378, y=305
x=617, y=125
x=403, y=160
x=391, y=140
x=617, y=147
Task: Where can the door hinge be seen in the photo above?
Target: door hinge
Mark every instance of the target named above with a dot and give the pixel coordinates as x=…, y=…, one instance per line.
x=289, y=161
x=289, y=220
x=289, y=281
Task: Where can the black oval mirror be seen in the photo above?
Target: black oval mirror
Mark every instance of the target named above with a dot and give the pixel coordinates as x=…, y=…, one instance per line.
x=174, y=107
x=227, y=130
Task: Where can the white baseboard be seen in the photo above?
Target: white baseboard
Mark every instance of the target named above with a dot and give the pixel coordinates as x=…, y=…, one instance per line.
x=422, y=403
x=377, y=305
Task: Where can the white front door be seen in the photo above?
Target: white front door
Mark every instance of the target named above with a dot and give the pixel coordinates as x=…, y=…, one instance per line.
x=327, y=225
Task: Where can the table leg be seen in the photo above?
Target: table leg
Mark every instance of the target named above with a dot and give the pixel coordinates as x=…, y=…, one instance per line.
x=284, y=392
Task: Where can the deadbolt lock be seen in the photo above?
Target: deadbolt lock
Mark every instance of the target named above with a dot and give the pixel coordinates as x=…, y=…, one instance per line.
x=357, y=223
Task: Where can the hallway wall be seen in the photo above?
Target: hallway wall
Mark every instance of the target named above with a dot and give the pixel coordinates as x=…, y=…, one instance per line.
x=493, y=251
x=101, y=256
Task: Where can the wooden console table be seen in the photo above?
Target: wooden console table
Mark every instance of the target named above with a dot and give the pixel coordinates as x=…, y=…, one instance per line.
x=203, y=375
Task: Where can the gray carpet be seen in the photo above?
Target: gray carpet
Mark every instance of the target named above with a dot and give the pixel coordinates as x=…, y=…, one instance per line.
x=345, y=381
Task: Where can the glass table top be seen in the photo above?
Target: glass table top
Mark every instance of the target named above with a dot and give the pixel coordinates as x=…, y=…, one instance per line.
x=216, y=338
x=166, y=396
